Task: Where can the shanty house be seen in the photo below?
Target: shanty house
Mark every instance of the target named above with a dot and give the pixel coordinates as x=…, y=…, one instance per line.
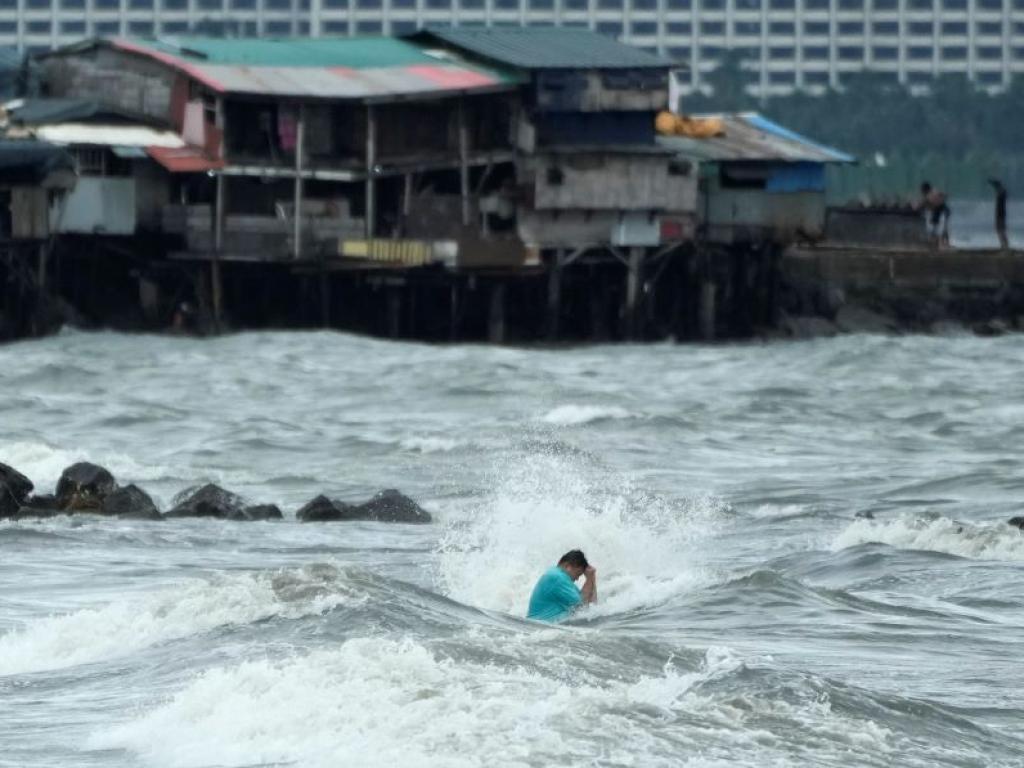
x=588, y=169
x=759, y=181
x=120, y=191
x=292, y=146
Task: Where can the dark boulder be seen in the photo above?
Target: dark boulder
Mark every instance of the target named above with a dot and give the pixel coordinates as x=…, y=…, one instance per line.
x=40, y=506
x=392, y=506
x=14, y=489
x=209, y=501
x=130, y=501
x=263, y=512
x=1017, y=522
x=83, y=486
x=321, y=509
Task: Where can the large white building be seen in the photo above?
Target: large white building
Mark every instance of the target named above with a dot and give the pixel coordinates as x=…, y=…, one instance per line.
x=806, y=44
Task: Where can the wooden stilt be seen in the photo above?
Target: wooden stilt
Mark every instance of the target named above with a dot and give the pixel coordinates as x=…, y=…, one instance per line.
x=394, y=311
x=325, y=295
x=464, y=162
x=218, y=247
x=496, y=318
x=555, y=294
x=454, y=311
x=633, y=286
x=598, y=306
x=708, y=290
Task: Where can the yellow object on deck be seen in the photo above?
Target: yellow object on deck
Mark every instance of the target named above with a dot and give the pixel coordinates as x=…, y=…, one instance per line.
x=409, y=253
x=669, y=124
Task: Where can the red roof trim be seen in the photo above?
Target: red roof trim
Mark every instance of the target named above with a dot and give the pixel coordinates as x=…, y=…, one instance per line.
x=184, y=159
x=451, y=77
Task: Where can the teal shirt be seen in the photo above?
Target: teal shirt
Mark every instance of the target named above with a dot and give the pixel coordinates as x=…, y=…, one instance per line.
x=555, y=596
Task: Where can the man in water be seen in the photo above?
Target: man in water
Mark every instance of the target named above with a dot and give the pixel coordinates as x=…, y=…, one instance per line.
x=556, y=595
x=1000, y=191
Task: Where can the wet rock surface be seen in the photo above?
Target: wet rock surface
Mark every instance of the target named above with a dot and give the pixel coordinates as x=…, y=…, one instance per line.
x=391, y=506
x=130, y=502
x=14, y=490
x=209, y=500
x=322, y=509
x=84, y=486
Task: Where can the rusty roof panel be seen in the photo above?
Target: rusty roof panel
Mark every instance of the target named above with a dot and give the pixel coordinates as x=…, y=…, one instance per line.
x=753, y=137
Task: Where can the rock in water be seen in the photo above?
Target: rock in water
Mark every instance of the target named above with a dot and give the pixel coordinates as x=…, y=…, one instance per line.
x=130, y=501
x=1017, y=522
x=263, y=512
x=40, y=506
x=392, y=506
x=84, y=486
x=209, y=501
x=321, y=509
x=14, y=489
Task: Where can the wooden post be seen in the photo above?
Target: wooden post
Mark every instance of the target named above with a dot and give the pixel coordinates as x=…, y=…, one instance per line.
x=707, y=310
x=42, y=268
x=496, y=319
x=406, y=203
x=464, y=162
x=371, y=162
x=555, y=293
x=394, y=311
x=598, y=306
x=300, y=141
x=325, y=294
x=633, y=285
x=218, y=246
x=454, y=311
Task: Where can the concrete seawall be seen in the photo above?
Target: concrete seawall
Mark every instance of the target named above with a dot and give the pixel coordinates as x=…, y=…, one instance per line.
x=833, y=289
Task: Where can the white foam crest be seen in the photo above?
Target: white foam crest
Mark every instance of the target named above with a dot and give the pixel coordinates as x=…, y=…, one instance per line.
x=43, y=463
x=995, y=541
x=430, y=444
x=378, y=702
x=190, y=608
x=644, y=549
x=572, y=414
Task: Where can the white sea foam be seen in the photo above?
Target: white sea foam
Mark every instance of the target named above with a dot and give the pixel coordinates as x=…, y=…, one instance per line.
x=191, y=608
x=644, y=549
x=993, y=541
x=44, y=463
x=430, y=444
x=573, y=414
x=378, y=702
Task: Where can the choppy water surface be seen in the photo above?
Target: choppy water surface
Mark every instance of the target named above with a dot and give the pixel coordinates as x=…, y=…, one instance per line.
x=748, y=616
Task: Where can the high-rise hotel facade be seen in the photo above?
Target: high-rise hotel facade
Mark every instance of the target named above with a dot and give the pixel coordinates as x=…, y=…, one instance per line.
x=807, y=44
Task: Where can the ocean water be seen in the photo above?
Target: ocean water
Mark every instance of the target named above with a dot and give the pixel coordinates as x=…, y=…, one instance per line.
x=750, y=612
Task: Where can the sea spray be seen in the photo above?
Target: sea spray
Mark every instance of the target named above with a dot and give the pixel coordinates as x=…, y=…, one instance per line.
x=547, y=501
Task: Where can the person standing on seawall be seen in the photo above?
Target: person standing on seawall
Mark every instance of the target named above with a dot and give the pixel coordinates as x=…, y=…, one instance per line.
x=1000, y=190
x=556, y=595
x=936, y=214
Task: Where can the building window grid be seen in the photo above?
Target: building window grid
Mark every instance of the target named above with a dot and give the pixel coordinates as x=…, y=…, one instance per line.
x=990, y=30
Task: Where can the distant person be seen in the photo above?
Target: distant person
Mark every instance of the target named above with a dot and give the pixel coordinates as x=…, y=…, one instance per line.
x=556, y=595
x=1000, y=190
x=936, y=214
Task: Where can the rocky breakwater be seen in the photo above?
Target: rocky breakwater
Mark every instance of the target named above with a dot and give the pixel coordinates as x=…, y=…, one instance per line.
x=86, y=488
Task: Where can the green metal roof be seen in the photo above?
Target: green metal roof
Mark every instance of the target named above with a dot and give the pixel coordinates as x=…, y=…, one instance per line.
x=351, y=52
x=544, y=47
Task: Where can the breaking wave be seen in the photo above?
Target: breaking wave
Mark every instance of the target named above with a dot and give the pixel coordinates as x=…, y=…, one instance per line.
x=571, y=414
x=989, y=541
x=191, y=608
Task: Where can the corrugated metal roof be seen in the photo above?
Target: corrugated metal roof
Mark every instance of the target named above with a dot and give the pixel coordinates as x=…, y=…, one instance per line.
x=753, y=137
x=108, y=135
x=184, y=160
x=544, y=47
x=349, y=68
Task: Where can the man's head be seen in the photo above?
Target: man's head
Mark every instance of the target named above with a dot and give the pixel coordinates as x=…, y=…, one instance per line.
x=574, y=562
x=926, y=187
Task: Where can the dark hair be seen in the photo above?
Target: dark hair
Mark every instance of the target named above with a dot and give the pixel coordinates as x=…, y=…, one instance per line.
x=926, y=187
x=574, y=557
